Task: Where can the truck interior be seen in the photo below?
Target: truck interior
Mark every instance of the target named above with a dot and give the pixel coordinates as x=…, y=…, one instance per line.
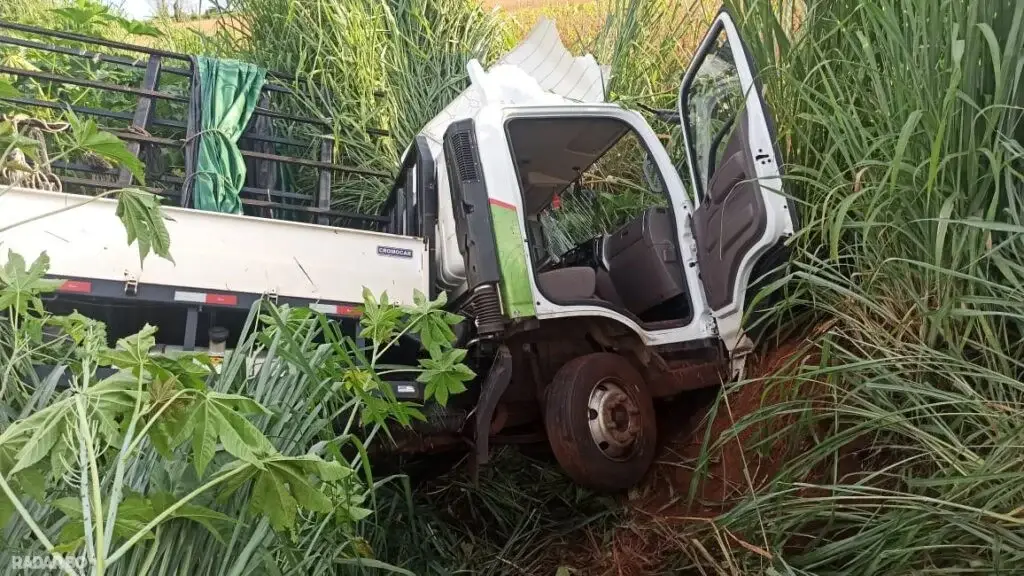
x=591, y=243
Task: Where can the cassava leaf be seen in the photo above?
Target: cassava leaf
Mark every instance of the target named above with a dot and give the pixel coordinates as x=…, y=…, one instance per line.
x=214, y=418
x=236, y=428
x=7, y=510
x=32, y=481
x=237, y=402
x=132, y=352
x=41, y=441
x=173, y=429
x=306, y=495
x=444, y=375
x=139, y=28
x=71, y=507
x=205, y=423
x=232, y=484
x=139, y=211
x=431, y=322
x=219, y=525
x=270, y=496
x=88, y=136
x=379, y=319
x=328, y=471
x=20, y=285
x=240, y=438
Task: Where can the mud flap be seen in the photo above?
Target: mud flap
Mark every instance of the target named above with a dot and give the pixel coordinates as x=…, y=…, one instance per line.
x=494, y=387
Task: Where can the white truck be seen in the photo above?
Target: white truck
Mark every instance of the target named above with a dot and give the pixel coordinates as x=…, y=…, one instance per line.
x=574, y=342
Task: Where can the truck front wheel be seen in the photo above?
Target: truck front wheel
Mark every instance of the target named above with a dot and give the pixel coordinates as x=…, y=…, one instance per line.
x=600, y=422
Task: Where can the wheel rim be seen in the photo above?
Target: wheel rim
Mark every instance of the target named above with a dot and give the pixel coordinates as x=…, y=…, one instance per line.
x=614, y=419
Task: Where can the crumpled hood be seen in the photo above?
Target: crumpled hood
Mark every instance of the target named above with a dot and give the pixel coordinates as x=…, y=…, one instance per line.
x=539, y=71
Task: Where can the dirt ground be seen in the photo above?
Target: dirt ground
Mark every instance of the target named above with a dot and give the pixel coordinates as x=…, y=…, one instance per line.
x=676, y=485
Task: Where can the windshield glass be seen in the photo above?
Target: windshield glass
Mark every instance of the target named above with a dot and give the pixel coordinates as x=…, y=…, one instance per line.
x=589, y=177
x=557, y=239
x=615, y=191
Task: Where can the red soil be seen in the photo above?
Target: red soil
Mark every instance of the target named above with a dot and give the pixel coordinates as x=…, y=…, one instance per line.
x=682, y=482
x=662, y=508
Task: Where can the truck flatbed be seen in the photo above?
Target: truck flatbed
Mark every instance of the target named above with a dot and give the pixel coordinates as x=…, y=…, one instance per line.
x=219, y=259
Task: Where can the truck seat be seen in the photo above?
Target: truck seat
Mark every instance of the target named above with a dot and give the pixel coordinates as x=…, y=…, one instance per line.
x=568, y=284
x=606, y=288
x=642, y=261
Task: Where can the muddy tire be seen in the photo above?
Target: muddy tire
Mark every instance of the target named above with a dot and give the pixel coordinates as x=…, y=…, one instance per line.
x=600, y=422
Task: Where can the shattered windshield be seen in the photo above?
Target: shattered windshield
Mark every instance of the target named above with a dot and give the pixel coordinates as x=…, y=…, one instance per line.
x=557, y=239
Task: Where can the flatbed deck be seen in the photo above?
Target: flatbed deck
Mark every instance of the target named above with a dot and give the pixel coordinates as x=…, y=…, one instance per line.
x=219, y=259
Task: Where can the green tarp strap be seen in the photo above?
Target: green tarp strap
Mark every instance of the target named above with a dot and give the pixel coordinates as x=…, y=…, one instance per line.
x=229, y=90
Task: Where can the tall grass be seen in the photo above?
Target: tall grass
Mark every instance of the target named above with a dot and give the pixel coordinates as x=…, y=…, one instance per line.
x=900, y=125
x=367, y=64
x=33, y=11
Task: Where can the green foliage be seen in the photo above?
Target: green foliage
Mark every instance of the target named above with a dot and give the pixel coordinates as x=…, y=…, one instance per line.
x=86, y=136
x=126, y=398
x=434, y=326
x=11, y=140
x=901, y=131
x=379, y=320
x=7, y=90
x=172, y=445
x=367, y=64
x=444, y=375
x=22, y=285
x=136, y=28
x=97, y=19
x=139, y=211
x=86, y=16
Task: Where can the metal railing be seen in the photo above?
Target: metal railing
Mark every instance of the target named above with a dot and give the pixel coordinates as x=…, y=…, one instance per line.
x=174, y=128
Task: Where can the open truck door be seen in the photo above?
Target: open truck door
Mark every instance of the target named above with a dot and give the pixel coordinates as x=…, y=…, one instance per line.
x=740, y=214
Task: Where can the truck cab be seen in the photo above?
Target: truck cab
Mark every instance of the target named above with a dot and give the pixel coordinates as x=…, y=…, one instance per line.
x=595, y=275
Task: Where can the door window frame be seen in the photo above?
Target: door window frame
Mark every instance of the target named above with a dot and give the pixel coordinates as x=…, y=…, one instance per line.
x=678, y=204
x=747, y=75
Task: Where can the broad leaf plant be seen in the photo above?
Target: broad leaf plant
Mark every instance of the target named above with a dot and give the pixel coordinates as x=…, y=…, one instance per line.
x=74, y=436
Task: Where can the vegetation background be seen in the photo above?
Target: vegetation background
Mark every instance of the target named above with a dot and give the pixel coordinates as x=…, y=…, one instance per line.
x=885, y=440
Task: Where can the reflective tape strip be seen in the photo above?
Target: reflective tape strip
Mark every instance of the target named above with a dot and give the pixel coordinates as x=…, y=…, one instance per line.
x=222, y=299
x=323, y=308
x=350, y=311
x=76, y=286
x=205, y=298
x=197, y=297
x=335, y=309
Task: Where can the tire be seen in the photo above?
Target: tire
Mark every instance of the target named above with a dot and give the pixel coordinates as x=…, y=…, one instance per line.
x=581, y=389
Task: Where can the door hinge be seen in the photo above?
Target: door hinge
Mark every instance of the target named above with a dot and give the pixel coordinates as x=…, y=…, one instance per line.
x=131, y=284
x=272, y=296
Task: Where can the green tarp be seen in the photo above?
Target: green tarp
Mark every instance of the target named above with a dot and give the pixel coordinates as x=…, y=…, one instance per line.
x=229, y=90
